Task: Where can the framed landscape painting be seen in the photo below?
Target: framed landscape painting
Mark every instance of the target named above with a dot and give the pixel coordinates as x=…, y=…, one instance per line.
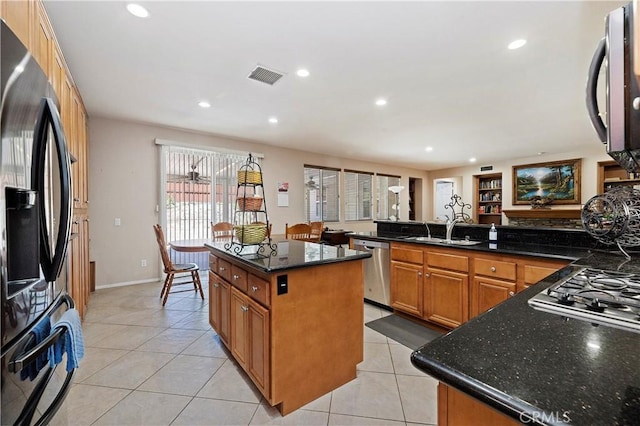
x=556, y=180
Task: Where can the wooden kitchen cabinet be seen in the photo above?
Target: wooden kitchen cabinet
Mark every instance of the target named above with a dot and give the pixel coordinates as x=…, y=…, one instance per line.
x=219, y=305
x=19, y=15
x=456, y=408
x=446, y=296
x=249, y=342
x=407, y=278
x=494, y=281
x=319, y=314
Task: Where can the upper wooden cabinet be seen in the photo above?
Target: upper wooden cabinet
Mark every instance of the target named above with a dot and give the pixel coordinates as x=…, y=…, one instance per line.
x=19, y=15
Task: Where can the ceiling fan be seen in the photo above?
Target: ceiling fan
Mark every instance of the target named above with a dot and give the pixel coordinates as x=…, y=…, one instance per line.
x=311, y=184
x=192, y=176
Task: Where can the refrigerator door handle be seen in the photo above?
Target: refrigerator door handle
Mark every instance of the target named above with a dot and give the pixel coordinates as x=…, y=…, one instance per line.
x=26, y=416
x=592, y=91
x=19, y=361
x=51, y=258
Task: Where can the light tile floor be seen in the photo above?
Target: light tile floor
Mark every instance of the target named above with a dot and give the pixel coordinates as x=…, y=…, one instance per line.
x=149, y=365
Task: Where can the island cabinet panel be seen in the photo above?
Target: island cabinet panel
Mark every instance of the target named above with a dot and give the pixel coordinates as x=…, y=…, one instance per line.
x=219, y=305
x=287, y=326
x=533, y=272
x=458, y=409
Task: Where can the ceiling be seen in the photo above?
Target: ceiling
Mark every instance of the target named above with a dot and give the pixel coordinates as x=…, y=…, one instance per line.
x=450, y=81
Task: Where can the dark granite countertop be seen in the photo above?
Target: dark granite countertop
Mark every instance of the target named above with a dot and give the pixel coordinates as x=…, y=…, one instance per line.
x=288, y=254
x=536, y=365
x=514, y=248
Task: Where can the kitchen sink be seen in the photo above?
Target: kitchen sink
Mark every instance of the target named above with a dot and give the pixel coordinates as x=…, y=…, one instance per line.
x=462, y=242
x=428, y=239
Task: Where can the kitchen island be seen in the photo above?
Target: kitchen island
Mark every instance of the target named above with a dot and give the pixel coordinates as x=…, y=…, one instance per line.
x=531, y=366
x=291, y=316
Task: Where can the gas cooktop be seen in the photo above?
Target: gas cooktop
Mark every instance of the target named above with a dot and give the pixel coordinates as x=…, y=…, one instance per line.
x=601, y=297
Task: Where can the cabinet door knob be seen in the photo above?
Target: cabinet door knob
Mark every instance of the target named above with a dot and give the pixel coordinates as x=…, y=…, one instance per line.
x=244, y=308
x=419, y=274
x=493, y=269
x=254, y=288
x=427, y=275
x=221, y=269
x=216, y=285
x=236, y=277
x=511, y=293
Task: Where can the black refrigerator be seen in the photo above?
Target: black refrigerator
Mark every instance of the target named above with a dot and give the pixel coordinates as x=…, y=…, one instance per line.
x=35, y=228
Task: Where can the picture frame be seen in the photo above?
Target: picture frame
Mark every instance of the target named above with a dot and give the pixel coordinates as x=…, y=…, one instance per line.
x=557, y=181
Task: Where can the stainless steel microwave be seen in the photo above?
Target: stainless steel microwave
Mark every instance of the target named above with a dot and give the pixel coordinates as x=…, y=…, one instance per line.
x=621, y=133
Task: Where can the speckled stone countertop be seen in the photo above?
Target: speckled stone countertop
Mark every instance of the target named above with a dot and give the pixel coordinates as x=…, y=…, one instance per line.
x=530, y=364
x=287, y=254
x=502, y=247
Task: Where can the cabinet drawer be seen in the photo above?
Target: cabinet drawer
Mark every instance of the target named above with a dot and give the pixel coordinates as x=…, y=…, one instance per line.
x=239, y=278
x=213, y=263
x=533, y=274
x=453, y=262
x=407, y=254
x=495, y=268
x=224, y=269
x=259, y=290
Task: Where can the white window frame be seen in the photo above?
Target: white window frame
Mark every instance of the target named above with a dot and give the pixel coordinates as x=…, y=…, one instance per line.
x=358, y=195
x=322, y=194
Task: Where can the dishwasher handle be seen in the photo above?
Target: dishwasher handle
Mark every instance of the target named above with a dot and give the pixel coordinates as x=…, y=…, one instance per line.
x=369, y=245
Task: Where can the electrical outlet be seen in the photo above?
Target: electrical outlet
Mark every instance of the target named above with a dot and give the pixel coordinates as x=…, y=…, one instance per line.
x=116, y=221
x=143, y=263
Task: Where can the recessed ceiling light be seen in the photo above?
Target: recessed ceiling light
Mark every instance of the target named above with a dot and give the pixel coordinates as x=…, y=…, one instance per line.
x=541, y=153
x=204, y=104
x=381, y=102
x=302, y=73
x=517, y=44
x=429, y=149
x=273, y=120
x=137, y=10
x=472, y=160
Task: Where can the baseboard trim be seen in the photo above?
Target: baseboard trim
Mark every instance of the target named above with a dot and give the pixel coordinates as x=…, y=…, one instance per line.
x=126, y=283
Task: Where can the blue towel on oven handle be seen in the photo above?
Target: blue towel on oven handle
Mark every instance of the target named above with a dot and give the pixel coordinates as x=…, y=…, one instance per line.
x=40, y=332
x=70, y=342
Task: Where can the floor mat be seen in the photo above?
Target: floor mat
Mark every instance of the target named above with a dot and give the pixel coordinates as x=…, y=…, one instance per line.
x=403, y=331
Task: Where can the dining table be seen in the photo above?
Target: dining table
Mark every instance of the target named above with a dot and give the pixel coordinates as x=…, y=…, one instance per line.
x=190, y=246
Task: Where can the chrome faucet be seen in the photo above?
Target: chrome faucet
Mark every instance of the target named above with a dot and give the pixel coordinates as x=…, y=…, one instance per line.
x=428, y=230
x=450, y=224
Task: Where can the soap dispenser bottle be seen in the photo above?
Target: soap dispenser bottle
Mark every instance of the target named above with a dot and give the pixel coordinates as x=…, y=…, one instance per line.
x=493, y=233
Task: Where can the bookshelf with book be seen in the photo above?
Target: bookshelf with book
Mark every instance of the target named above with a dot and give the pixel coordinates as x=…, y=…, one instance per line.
x=488, y=198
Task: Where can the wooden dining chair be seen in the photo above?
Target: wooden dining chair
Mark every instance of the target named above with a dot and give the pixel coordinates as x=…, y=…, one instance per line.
x=190, y=270
x=316, y=231
x=221, y=231
x=299, y=231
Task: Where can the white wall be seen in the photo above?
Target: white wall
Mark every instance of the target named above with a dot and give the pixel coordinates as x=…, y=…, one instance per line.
x=590, y=158
x=124, y=183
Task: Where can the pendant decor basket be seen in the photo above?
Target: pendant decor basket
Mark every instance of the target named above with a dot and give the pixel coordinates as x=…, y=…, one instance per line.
x=250, y=220
x=614, y=218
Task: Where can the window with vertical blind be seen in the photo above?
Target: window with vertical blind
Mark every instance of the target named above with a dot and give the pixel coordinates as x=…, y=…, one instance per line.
x=321, y=198
x=385, y=199
x=199, y=188
x=357, y=195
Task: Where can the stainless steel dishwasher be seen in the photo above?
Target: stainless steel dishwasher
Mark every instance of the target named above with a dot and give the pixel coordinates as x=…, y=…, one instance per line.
x=376, y=271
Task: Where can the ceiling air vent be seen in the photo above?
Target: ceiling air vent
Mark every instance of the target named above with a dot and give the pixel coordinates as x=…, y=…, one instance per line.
x=265, y=75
